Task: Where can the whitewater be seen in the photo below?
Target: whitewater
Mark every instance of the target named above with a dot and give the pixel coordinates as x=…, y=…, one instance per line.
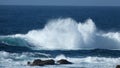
x=81, y=43
x=65, y=34
x=19, y=60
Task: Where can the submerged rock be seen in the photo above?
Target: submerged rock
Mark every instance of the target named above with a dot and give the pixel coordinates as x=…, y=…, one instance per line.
x=63, y=61
x=118, y=66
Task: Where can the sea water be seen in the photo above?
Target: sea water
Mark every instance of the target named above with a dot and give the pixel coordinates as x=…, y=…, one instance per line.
x=88, y=37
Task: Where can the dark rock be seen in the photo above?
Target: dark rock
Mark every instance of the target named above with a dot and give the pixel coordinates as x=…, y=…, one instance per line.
x=39, y=62
x=63, y=61
x=48, y=62
x=28, y=63
x=118, y=66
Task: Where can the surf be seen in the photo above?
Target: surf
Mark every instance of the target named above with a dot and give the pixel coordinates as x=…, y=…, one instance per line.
x=65, y=34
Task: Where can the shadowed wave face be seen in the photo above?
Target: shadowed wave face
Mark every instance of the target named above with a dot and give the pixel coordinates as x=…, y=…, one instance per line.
x=65, y=34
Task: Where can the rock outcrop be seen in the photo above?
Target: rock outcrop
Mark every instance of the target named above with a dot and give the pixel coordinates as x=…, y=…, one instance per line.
x=118, y=66
x=39, y=62
x=63, y=61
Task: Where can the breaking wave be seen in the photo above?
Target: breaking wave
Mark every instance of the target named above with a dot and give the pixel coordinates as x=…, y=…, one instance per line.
x=60, y=34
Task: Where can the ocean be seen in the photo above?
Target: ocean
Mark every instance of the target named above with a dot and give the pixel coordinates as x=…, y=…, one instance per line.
x=87, y=36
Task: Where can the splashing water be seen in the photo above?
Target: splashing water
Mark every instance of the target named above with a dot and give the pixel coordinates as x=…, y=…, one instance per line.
x=66, y=34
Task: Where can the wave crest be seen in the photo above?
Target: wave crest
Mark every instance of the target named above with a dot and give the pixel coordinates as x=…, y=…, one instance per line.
x=68, y=34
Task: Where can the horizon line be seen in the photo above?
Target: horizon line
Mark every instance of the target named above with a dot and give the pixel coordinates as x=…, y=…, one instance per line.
x=65, y=5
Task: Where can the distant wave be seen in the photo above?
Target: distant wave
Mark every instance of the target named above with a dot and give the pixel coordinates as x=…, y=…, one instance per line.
x=65, y=34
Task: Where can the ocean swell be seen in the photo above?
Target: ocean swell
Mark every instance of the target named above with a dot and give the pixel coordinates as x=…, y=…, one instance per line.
x=65, y=34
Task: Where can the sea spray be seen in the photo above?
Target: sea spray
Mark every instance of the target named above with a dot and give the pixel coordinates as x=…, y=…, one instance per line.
x=65, y=34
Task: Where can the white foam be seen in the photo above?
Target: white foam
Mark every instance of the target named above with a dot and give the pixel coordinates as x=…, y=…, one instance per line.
x=19, y=60
x=63, y=34
x=60, y=57
x=67, y=34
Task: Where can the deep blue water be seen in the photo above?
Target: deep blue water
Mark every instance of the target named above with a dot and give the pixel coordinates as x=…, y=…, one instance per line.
x=21, y=19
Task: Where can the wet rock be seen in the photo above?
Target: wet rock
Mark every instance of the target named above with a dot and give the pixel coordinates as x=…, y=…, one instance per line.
x=39, y=62
x=48, y=62
x=63, y=61
x=28, y=63
x=118, y=66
